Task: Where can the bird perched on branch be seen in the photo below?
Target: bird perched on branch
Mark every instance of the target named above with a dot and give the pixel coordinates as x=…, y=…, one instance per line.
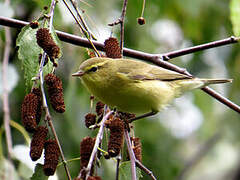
x=135, y=86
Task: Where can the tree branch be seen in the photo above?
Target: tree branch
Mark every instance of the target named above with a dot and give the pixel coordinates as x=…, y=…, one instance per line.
x=6, y=109
x=201, y=47
x=131, y=154
x=154, y=58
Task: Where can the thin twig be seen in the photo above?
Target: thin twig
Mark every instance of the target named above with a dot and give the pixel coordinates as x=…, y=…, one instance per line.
x=48, y=117
x=131, y=154
x=82, y=25
x=121, y=22
x=182, y=52
x=97, y=142
x=6, y=110
x=117, y=167
x=143, y=7
x=154, y=58
x=74, y=3
x=202, y=151
x=146, y=170
x=122, y=25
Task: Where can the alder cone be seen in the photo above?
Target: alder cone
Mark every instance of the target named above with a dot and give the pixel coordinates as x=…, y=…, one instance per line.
x=86, y=148
x=90, y=119
x=55, y=92
x=116, y=127
x=46, y=42
x=29, y=112
x=112, y=48
x=38, y=93
x=51, y=157
x=99, y=108
x=37, y=143
x=137, y=148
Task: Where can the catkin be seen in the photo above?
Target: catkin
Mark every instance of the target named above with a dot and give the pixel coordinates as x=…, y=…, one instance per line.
x=116, y=127
x=28, y=112
x=137, y=148
x=55, y=92
x=51, y=157
x=37, y=143
x=38, y=93
x=46, y=42
x=112, y=48
x=99, y=108
x=86, y=148
x=90, y=119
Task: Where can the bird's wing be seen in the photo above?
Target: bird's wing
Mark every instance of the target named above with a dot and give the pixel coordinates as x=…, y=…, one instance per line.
x=142, y=72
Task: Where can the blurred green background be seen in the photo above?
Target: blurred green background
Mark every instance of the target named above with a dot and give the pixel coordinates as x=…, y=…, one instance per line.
x=196, y=137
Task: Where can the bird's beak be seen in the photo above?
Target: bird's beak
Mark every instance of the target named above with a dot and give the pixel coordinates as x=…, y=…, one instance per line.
x=78, y=74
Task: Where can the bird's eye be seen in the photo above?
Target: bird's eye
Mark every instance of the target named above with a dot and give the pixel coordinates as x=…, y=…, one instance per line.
x=93, y=69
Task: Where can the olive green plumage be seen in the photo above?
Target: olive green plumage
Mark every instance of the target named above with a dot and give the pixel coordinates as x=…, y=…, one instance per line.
x=135, y=86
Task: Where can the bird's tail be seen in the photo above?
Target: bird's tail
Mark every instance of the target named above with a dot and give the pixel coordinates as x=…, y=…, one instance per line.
x=215, y=81
x=190, y=84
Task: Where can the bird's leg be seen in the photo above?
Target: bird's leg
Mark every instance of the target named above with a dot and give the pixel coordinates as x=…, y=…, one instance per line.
x=142, y=116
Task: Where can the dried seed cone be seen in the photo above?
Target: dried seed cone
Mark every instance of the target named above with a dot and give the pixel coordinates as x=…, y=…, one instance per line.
x=99, y=108
x=37, y=143
x=137, y=148
x=46, y=42
x=51, y=157
x=94, y=178
x=86, y=148
x=112, y=48
x=116, y=127
x=38, y=93
x=90, y=119
x=55, y=92
x=29, y=111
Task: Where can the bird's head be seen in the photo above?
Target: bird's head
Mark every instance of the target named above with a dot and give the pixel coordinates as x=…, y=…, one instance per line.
x=93, y=69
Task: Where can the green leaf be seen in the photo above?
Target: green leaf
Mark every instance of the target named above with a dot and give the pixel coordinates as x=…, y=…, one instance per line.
x=29, y=52
x=38, y=173
x=125, y=172
x=235, y=16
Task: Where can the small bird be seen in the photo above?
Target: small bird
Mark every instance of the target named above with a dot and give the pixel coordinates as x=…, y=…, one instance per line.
x=135, y=86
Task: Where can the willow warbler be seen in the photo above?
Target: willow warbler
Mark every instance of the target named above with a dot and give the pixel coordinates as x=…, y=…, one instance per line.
x=135, y=86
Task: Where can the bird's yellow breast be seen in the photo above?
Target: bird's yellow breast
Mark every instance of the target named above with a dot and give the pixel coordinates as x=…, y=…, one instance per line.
x=131, y=96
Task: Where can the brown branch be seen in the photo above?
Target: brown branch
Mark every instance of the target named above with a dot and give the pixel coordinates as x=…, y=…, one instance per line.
x=131, y=154
x=193, y=49
x=154, y=58
x=6, y=109
x=145, y=169
x=117, y=166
